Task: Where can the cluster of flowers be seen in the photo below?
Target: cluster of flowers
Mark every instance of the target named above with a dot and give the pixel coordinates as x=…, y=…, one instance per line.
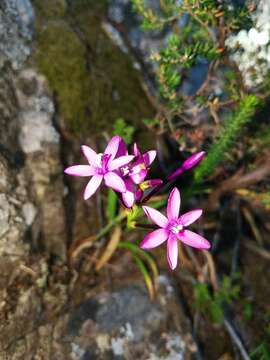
x=251, y=48
x=126, y=175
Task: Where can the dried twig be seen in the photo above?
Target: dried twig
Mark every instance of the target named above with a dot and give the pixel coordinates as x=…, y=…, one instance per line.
x=110, y=248
x=236, y=338
x=238, y=181
x=256, y=249
x=248, y=216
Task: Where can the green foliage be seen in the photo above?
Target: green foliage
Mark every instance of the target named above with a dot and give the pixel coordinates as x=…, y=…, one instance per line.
x=175, y=55
x=213, y=304
x=262, y=352
x=233, y=127
x=124, y=130
x=111, y=204
x=145, y=264
x=247, y=310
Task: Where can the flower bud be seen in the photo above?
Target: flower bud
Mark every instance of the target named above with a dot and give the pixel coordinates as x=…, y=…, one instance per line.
x=192, y=161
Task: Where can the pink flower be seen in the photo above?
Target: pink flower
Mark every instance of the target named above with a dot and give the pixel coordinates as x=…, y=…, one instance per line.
x=102, y=166
x=138, y=171
x=191, y=161
x=173, y=228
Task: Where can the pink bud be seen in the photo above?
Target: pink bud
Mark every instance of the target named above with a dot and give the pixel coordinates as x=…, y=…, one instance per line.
x=192, y=161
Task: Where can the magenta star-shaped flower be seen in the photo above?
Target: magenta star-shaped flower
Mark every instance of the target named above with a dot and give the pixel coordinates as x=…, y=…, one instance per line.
x=102, y=166
x=139, y=170
x=173, y=228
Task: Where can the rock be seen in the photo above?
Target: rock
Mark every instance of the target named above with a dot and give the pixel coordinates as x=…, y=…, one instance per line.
x=40, y=143
x=4, y=214
x=16, y=30
x=125, y=324
x=29, y=213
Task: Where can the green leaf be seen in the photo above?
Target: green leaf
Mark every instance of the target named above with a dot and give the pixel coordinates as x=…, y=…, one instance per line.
x=111, y=204
x=124, y=130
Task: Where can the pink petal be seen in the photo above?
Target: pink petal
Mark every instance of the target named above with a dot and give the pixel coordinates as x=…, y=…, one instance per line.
x=122, y=149
x=128, y=198
x=121, y=161
x=115, y=182
x=136, y=150
x=156, y=216
x=138, y=194
x=113, y=146
x=189, y=217
x=92, y=186
x=139, y=177
x=193, y=160
x=80, y=170
x=172, y=251
x=154, y=239
x=193, y=239
x=173, y=206
x=89, y=153
x=149, y=157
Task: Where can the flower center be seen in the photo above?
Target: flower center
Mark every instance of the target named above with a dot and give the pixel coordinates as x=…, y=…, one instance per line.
x=125, y=170
x=104, y=162
x=142, y=166
x=176, y=228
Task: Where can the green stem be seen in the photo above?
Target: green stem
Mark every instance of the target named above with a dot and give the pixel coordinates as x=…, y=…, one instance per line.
x=110, y=225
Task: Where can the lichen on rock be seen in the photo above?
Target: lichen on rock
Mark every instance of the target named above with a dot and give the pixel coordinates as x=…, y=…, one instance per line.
x=93, y=81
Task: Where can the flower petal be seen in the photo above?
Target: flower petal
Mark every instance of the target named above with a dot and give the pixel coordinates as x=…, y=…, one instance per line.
x=149, y=157
x=193, y=160
x=138, y=177
x=113, y=146
x=80, y=170
x=128, y=198
x=122, y=149
x=89, y=153
x=191, y=216
x=155, y=216
x=172, y=251
x=138, y=194
x=121, y=161
x=173, y=205
x=136, y=150
x=115, y=182
x=193, y=239
x=154, y=239
x=92, y=186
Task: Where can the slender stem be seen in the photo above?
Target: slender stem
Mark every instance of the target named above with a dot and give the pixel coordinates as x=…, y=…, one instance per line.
x=152, y=193
x=144, y=226
x=111, y=224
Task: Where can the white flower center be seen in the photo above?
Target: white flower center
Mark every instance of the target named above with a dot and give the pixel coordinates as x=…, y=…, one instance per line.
x=176, y=228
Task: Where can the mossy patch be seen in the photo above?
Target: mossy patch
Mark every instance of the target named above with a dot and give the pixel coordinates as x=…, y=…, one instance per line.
x=94, y=82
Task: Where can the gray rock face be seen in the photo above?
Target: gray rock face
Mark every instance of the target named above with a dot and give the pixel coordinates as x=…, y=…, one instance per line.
x=16, y=30
x=127, y=325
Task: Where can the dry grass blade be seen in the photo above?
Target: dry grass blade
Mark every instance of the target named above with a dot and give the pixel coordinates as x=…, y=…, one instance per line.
x=79, y=245
x=183, y=257
x=248, y=216
x=211, y=269
x=259, y=251
x=110, y=249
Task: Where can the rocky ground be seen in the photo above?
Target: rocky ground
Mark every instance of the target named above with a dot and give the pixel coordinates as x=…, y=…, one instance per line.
x=68, y=69
x=48, y=63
